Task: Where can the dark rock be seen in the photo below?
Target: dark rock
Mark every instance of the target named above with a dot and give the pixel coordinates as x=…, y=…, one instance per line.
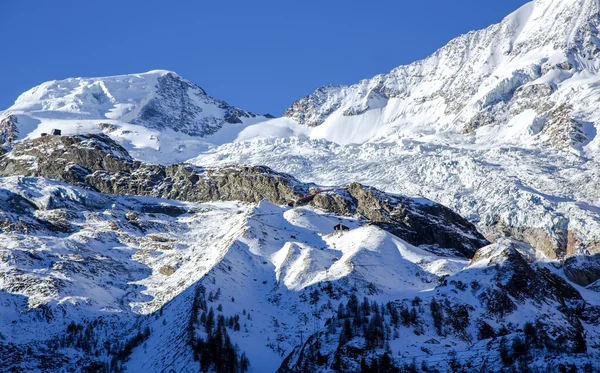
x=582, y=269
x=418, y=221
x=167, y=270
x=169, y=210
x=9, y=132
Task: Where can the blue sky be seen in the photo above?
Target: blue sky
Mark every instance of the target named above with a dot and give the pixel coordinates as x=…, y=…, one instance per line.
x=259, y=55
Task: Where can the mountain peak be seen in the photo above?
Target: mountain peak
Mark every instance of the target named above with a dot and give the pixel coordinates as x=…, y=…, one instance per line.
x=507, y=75
x=138, y=108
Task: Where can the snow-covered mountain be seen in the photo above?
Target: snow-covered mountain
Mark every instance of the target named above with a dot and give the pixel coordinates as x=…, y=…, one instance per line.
x=527, y=80
x=94, y=281
x=110, y=263
x=159, y=113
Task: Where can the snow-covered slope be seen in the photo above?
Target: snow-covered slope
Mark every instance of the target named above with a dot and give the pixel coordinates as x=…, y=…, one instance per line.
x=528, y=80
x=483, y=318
x=99, y=282
x=158, y=114
x=500, y=125
x=71, y=255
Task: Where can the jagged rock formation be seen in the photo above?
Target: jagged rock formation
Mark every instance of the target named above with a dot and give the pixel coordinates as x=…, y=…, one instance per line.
x=98, y=162
x=9, y=132
x=561, y=130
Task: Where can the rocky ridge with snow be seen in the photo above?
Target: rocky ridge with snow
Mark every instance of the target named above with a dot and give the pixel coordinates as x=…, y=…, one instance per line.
x=525, y=64
x=97, y=162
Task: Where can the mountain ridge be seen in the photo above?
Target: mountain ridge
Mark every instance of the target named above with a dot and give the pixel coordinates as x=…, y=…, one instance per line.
x=541, y=102
x=470, y=82
x=97, y=162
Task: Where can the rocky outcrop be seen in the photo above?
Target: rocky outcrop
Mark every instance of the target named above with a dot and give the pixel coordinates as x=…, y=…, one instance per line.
x=97, y=162
x=312, y=110
x=583, y=269
x=561, y=130
x=418, y=221
x=551, y=244
x=520, y=280
x=178, y=104
x=9, y=132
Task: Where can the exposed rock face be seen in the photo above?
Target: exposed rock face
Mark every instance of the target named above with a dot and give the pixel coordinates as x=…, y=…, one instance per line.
x=309, y=110
x=520, y=280
x=551, y=244
x=98, y=162
x=562, y=131
x=16, y=212
x=583, y=270
x=180, y=105
x=312, y=110
x=9, y=132
x=407, y=218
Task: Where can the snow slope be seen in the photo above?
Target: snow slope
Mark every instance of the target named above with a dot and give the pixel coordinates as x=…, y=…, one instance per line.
x=501, y=85
x=78, y=266
x=79, y=256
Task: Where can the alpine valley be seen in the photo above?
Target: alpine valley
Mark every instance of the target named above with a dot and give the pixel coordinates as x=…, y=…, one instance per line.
x=443, y=217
